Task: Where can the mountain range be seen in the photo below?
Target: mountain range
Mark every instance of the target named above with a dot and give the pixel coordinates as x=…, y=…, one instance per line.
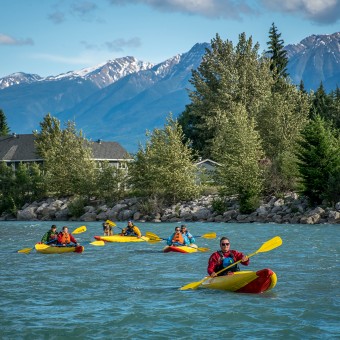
x=120, y=99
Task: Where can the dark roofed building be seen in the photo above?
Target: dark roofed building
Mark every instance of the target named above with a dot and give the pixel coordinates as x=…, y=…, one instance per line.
x=18, y=148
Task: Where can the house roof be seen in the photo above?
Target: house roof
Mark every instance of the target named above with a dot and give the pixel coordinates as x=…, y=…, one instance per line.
x=21, y=148
x=208, y=161
x=18, y=148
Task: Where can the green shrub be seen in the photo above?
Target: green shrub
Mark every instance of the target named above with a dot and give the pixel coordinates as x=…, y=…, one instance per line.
x=76, y=207
x=219, y=205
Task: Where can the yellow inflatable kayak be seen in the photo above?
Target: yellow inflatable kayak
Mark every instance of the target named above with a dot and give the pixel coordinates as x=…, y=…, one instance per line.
x=46, y=249
x=120, y=238
x=243, y=281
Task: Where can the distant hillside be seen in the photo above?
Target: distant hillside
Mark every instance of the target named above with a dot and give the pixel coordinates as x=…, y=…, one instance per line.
x=120, y=99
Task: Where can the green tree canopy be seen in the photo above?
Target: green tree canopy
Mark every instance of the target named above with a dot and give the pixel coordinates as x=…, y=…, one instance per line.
x=226, y=76
x=319, y=161
x=164, y=168
x=67, y=155
x=237, y=146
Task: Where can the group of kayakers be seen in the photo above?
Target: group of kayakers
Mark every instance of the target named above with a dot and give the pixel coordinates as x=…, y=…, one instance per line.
x=220, y=262
x=62, y=238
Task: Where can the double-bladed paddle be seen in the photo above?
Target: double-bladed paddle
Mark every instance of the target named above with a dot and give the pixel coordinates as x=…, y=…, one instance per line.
x=155, y=238
x=267, y=246
x=79, y=230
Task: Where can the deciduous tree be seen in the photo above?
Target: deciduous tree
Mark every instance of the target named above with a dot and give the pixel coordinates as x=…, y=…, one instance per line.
x=164, y=168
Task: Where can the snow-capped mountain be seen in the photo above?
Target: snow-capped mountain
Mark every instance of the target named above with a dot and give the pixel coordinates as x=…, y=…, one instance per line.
x=18, y=78
x=101, y=75
x=315, y=59
x=107, y=73
x=120, y=99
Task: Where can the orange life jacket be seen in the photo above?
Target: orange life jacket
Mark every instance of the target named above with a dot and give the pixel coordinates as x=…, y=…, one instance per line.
x=178, y=238
x=65, y=238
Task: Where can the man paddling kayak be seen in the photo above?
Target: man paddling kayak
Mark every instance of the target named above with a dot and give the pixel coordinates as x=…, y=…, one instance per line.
x=51, y=236
x=224, y=258
x=131, y=230
x=186, y=233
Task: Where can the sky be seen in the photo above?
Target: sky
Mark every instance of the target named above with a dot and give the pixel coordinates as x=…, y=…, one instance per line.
x=50, y=37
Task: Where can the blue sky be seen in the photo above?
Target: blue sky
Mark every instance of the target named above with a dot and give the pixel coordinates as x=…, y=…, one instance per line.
x=49, y=37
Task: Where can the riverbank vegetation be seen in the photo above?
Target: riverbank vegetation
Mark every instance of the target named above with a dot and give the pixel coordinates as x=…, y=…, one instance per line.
x=268, y=136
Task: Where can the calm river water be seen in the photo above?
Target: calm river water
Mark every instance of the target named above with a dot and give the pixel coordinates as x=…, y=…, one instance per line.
x=130, y=291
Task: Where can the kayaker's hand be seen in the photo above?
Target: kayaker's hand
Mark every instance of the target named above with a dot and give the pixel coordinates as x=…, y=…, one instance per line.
x=213, y=274
x=245, y=258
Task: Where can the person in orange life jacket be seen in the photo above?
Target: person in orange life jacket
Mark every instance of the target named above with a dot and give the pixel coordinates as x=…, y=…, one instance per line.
x=131, y=230
x=64, y=238
x=224, y=258
x=51, y=236
x=186, y=233
x=177, y=238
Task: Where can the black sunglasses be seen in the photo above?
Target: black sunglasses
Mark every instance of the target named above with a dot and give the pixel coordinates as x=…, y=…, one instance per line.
x=225, y=244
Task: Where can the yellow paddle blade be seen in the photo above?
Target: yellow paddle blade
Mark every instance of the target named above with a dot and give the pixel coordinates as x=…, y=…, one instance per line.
x=192, y=285
x=79, y=230
x=149, y=234
x=203, y=249
x=98, y=243
x=25, y=250
x=41, y=246
x=153, y=237
x=110, y=223
x=271, y=244
x=209, y=235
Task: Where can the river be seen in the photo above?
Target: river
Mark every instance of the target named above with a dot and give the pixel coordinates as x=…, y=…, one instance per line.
x=131, y=290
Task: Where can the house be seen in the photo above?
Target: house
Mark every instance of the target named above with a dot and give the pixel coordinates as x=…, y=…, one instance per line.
x=18, y=148
x=205, y=170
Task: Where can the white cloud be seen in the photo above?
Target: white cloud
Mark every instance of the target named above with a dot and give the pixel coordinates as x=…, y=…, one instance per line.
x=8, y=40
x=321, y=11
x=206, y=8
x=116, y=45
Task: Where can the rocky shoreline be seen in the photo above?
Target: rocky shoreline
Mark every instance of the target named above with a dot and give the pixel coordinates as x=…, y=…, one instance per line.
x=290, y=209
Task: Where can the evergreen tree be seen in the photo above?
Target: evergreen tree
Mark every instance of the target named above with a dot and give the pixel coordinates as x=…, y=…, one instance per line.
x=321, y=103
x=334, y=109
x=164, y=168
x=4, y=129
x=319, y=161
x=327, y=105
x=277, y=53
